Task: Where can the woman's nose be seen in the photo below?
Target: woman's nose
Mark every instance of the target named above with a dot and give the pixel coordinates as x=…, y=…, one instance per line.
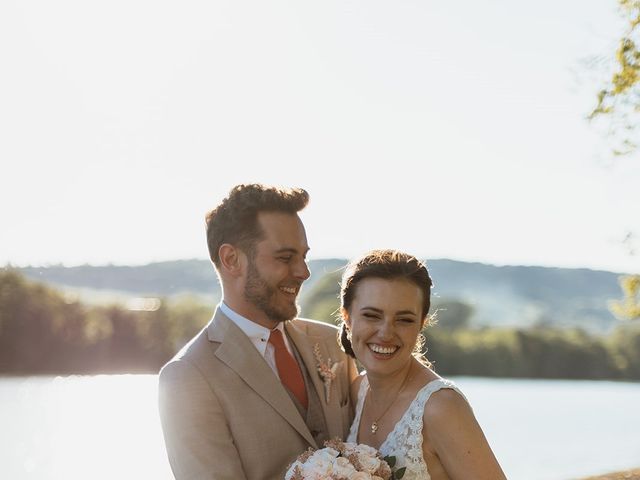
x=386, y=330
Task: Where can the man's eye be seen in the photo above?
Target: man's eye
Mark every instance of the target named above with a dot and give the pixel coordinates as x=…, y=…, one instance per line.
x=286, y=259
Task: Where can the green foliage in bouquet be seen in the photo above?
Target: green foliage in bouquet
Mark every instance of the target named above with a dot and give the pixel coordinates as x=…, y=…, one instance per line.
x=395, y=474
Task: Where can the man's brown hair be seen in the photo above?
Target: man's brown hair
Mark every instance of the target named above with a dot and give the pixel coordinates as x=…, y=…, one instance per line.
x=235, y=219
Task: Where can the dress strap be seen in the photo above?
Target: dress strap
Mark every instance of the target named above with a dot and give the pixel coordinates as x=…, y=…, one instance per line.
x=362, y=391
x=431, y=388
x=355, y=426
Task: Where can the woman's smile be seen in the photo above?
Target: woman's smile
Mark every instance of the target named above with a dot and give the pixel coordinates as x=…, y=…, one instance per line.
x=383, y=350
x=385, y=321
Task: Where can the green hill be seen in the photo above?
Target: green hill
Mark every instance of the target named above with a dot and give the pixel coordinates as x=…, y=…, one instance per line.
x=498, y=295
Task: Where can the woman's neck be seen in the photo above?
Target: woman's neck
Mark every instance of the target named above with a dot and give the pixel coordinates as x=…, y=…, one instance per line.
x=384, y=386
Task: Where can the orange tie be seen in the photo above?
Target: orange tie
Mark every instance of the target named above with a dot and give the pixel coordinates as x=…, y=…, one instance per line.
x=288, y=369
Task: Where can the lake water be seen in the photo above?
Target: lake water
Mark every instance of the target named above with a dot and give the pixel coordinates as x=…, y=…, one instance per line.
x=107, y=427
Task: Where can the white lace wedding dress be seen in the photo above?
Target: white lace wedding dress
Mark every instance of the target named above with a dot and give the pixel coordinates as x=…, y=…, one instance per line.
x=405, y=440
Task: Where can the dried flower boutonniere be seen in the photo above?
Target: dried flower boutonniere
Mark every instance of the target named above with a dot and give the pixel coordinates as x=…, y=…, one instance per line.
x=326, y=370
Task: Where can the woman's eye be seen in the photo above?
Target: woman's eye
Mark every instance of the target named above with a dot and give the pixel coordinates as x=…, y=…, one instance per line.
x=406, y=320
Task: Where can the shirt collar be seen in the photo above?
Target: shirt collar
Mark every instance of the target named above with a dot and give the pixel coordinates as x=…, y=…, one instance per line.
x=258, y=334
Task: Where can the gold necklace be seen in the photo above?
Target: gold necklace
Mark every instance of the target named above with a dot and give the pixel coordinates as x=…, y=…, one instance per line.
x=374, y=424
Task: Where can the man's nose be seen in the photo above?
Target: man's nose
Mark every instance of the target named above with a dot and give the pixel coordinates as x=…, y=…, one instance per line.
x=301, y=271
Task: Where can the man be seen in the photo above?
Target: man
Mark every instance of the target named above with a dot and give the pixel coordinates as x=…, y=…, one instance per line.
x=257, y=386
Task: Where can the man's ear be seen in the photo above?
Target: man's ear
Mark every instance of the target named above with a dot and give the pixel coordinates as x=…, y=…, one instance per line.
x=231, y=259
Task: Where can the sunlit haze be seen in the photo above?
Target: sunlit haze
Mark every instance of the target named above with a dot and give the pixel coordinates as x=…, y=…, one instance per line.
x=447, y=129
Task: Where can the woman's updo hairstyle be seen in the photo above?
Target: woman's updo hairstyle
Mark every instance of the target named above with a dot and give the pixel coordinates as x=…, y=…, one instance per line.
x=385, y=264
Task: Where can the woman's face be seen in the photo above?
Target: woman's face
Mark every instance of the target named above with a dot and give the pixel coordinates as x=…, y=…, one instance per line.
x=385, y=319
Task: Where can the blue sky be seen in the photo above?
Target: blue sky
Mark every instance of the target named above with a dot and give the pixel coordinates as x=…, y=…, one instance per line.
x=448, y=129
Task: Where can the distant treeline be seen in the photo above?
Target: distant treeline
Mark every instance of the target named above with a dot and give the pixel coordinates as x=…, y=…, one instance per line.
x=43, y=332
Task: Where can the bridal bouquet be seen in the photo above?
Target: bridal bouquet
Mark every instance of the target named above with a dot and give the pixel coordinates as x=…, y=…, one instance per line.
x=343, y=461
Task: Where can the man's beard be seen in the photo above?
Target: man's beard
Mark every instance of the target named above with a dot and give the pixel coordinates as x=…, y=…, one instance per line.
x=263, y=296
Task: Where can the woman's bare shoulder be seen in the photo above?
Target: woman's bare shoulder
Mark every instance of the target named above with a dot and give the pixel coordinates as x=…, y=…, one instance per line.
x=447, y=406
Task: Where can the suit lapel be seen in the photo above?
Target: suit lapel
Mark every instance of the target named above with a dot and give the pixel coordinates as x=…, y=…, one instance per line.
x=305, y=344
x=239, y=354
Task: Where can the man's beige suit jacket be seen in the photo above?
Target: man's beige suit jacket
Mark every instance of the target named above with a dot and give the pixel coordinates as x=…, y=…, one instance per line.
x=225, y=415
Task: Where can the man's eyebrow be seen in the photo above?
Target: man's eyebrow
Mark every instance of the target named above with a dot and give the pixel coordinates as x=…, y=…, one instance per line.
x=291, y=250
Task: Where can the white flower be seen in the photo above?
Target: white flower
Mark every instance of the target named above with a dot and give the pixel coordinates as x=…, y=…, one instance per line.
x=342, y=468
x=326, y=454
x=320, y=465
x=366, y=450
x=369, y=464
x=367, y=456
x=360, y=476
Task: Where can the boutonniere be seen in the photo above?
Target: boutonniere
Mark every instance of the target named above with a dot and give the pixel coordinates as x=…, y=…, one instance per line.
x=326, y=370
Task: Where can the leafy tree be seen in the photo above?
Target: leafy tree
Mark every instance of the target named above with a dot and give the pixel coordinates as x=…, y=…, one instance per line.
x=322, y=302
x=619, y=100
x=629, y=307
x=624, y=349
x=451, y=314
x=43, y=331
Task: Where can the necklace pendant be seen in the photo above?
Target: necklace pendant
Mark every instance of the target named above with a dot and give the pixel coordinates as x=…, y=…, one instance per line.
x=374, y=428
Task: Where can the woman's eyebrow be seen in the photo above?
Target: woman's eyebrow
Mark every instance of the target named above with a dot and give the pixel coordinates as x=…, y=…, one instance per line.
x=399, y=312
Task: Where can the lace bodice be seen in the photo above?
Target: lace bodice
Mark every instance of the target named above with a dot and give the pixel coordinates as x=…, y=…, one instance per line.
x=405, y=440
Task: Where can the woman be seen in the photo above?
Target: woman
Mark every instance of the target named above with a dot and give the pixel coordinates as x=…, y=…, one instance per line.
x=403, y=408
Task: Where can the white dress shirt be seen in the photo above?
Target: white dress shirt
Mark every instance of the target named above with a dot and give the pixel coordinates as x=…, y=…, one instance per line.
x=258, y=335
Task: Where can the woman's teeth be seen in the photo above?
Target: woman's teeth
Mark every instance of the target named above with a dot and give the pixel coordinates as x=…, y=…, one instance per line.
x=380, y=349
